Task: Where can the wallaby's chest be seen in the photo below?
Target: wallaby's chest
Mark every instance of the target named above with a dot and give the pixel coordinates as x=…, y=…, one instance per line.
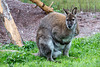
x=67, y=38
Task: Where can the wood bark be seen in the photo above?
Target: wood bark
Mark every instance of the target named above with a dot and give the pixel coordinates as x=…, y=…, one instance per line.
x=9, y=24
x=43, y=6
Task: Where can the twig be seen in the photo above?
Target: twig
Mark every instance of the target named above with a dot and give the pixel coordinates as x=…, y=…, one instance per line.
x=51, y=4
x=43, y=6
x=9, y=50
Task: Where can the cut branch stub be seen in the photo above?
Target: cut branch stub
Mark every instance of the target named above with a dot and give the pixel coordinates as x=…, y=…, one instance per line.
x=43, y=6
x=51, y=4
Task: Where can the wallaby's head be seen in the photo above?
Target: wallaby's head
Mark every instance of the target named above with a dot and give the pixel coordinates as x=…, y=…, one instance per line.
x=71, y=18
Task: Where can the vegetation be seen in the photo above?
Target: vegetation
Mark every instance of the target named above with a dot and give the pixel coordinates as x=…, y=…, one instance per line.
x=84, y=5
x=84, y=52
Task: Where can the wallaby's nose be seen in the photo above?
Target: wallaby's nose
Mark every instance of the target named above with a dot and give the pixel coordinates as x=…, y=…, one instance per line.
x=69, y=26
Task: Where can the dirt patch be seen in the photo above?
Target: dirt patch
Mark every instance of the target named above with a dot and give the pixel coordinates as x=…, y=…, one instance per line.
x=89, y=23
x=27, y=20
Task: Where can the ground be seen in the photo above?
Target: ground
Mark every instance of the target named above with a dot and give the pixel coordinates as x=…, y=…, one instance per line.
x=27, y=19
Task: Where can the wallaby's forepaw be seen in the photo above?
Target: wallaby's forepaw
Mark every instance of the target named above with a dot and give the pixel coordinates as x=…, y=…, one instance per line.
x=66, y=54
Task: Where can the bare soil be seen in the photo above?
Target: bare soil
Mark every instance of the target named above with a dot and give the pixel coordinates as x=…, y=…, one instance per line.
x=27, y=19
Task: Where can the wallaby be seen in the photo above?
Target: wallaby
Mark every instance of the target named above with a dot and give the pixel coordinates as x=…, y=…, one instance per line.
x=55, y=34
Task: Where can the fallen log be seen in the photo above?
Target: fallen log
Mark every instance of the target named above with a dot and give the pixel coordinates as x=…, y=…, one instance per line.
x=9, y=24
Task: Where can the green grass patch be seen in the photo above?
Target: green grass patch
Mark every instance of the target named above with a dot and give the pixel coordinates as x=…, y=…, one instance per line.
x=84, y=5
x=84, y=52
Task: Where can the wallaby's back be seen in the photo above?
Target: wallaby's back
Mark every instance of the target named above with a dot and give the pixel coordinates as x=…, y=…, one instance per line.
x=53, y=19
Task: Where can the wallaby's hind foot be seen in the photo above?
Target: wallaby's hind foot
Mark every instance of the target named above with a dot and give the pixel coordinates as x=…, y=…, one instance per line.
x=56, y=54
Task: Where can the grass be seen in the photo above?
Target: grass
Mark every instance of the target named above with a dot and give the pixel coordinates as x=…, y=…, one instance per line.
x=84, y=52
x=83, y=5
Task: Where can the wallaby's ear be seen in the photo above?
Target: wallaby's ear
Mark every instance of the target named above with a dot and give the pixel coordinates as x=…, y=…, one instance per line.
x=66, y=11
x=74, y=11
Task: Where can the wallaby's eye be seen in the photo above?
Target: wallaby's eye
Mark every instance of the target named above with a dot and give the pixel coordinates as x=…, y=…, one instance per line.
x=73, y=19
x=67, y=19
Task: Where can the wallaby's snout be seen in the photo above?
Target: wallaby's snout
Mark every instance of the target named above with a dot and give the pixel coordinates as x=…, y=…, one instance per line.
x=69, y=23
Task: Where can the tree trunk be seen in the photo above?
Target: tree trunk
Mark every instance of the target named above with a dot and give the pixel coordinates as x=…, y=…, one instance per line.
x=43, y=6
x=9, y=24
